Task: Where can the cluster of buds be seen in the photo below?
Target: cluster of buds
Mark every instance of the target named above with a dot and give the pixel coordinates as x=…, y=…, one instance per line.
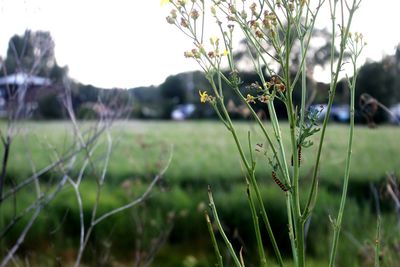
x=255, y=26
x=171, y=19
x=215, y=53
x=358, y=37
x=184, y=23
x=194, y=53
x=232, y=9
x=269, y=20
x=259, y=34
x=194, y=14
x=253, y=9
x=264, y=98
x=181, y=3
x=277, y=84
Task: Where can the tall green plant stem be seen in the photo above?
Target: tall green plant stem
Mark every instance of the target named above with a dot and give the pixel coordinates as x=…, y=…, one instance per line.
x=297, y=218
x=298, y=221
x=290, y=201
x=263, y=260
x=332, y=91
x=338, y=222
x=250, y=173
x=378, y=241
x=214, y=241
x=221, y=230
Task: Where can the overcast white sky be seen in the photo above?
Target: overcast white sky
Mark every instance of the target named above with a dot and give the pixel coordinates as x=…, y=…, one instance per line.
x=127, y=43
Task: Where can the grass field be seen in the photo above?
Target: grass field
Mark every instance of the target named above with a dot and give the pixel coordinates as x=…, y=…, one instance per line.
x=204, y=151
x=204, y=154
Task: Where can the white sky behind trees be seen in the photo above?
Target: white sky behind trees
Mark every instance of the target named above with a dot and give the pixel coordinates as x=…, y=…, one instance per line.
x=127, y=43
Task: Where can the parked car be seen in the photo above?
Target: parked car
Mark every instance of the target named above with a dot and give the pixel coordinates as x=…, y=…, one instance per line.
x=182, y=112
x=340, y=113
x=395, y=114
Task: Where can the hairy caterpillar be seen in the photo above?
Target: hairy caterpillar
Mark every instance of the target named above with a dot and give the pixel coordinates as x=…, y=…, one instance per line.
x=278, y=182
x=298, y=155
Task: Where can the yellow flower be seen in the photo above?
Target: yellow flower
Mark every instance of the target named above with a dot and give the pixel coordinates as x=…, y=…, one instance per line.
x=226, y=52
x=203, y=96
x=250, y=99
x=164, y=2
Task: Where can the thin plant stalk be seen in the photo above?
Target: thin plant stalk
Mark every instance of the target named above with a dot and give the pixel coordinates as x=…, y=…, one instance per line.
x=221, y=230
x=332, y=91
x=378, y=242
x=252, y=180
x=338, y=221
x=260, y=247
x=214, y=241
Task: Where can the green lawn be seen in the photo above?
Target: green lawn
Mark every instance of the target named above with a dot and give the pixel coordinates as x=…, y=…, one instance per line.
x=204, y=152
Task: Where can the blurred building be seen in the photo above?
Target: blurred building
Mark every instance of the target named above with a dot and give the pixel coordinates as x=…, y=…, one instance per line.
x=21, y=91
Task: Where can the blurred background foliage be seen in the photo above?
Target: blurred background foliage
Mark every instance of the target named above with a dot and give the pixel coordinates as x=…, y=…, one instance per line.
x=380, y=80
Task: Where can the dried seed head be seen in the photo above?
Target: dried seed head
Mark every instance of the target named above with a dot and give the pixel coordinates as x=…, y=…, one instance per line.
x=213, y=11
x=184, y=23
x=194, y=14
x=243, y=15
x=281, y=87
x=188, y=54
x=232, y=9
x=182, y=2
x=253, y=8
x=196, y=53
x=259, y=34
x=266, y=23
x=254, y=24
x=173, y=13
x=275, y=79
x=263, y=98
x=170, y=20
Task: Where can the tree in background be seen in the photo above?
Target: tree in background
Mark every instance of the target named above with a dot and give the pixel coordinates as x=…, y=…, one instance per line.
x=381, y=80
x=174, y=89
x=33, y=52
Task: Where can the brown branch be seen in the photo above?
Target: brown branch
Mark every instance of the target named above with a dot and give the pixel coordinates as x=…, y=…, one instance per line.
x=6, y=153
